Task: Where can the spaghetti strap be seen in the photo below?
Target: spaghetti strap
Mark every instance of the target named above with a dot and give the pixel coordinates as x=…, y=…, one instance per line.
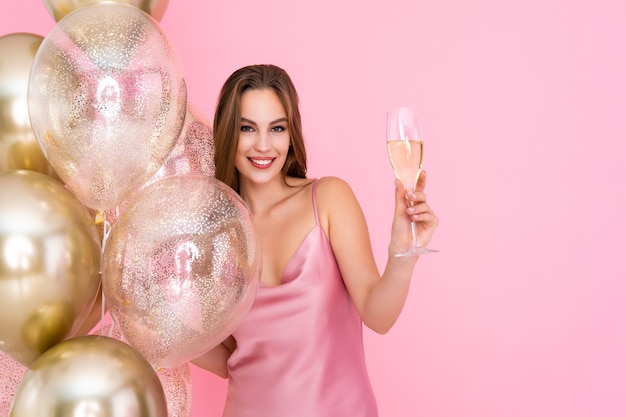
x=313, y=187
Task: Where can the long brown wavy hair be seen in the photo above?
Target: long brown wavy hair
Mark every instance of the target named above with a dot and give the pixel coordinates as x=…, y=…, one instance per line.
x=227, y=120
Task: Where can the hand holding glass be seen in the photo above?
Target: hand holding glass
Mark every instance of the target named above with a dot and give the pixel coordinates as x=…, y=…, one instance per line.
x=405, y=146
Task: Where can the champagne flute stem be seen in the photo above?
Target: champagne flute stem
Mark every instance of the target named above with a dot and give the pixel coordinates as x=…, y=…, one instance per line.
x=413, y=223
x=414, y=234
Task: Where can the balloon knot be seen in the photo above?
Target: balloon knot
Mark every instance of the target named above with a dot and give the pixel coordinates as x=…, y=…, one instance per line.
x=100, y=217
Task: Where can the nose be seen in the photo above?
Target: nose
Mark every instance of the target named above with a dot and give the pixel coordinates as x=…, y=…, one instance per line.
x=263, y=141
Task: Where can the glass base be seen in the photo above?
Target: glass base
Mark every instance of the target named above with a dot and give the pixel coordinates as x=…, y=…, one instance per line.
x=415, y=251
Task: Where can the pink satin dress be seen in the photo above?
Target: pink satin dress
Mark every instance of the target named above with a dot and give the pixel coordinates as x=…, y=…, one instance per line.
x=300, y=348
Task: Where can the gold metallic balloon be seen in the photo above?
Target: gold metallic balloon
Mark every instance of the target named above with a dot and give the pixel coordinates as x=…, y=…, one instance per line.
x=107, y=101
x=176, y=382
x=93, y=376
x=181, y=268
x=92, y=318
x=44, y=326
x=19, y=148
x=49, y=264
x=58, y=9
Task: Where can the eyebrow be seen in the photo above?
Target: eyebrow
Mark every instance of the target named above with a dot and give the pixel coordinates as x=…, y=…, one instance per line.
x=281, y=120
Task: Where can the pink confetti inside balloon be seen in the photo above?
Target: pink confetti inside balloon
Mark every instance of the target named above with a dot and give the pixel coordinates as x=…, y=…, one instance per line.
x=177, y=386
x=11, y=374
x=194, y=151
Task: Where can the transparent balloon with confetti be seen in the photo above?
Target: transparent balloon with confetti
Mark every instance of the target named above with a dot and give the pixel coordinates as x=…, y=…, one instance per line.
x=107, y=101
x=193, y=153
x=181, y=268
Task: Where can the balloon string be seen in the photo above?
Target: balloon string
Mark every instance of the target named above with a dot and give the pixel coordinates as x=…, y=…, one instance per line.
x=106, y=231
x=102, y=313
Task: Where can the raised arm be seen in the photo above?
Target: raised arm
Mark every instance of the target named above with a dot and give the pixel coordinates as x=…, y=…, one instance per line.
x=378, y=299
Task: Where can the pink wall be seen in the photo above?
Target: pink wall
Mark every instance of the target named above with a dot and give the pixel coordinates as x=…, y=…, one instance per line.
x=523, y=107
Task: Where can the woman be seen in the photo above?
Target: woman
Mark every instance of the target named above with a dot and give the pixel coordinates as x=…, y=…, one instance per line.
x=299, y=351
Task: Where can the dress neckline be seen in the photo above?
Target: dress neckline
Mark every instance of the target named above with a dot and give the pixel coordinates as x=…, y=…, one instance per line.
x=291, y=260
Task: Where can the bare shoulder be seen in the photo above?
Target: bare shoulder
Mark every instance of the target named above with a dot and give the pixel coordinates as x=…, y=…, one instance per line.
x=333, y=184
x=335, y=199
x=333, y=192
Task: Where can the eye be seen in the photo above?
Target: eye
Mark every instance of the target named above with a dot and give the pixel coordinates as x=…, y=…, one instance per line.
x=246, y=128
x=278, y=129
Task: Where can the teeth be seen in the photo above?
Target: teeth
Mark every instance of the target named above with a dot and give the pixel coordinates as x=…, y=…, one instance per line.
x=261, y=162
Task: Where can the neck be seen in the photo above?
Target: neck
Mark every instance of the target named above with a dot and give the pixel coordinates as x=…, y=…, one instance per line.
x=260, y=198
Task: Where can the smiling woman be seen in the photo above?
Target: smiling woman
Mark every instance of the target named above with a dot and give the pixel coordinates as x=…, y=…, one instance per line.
x=319, y=281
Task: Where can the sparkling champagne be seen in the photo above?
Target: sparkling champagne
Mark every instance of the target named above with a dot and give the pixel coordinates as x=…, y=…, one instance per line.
x=406, y=160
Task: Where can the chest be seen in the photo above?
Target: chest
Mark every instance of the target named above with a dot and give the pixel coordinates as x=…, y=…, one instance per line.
x=281, y=232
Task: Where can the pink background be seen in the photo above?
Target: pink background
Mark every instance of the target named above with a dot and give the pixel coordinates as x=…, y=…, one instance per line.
x=523, y=108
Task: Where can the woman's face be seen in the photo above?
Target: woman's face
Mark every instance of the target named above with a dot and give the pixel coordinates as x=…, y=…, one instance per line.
x=263, y=137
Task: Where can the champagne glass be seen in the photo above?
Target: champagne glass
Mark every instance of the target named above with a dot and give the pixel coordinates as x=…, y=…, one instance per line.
x=405, y=147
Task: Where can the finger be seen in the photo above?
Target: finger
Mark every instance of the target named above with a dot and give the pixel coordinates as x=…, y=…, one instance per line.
x=421, y=182
x=419, y=209
x=427, y=219
x=416, y=198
